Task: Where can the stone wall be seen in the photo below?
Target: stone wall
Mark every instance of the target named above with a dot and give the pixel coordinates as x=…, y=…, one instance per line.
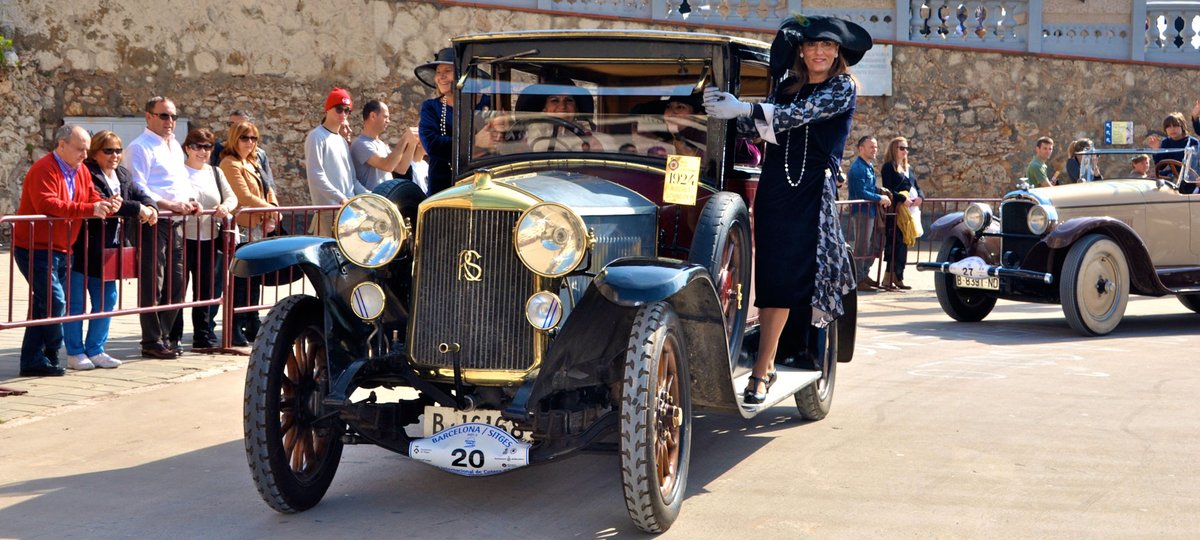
x=971, y=116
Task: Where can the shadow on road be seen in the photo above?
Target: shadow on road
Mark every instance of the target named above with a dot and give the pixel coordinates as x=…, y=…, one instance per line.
x=208, y=493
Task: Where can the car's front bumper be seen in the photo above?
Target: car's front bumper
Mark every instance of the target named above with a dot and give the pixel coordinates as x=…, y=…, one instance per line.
x=990, y=271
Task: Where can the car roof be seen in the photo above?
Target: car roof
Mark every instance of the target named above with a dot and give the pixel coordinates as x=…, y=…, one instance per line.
x=633, y=35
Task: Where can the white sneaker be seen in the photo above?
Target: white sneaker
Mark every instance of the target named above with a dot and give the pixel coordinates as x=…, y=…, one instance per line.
x=103, y=360
x=79, y=362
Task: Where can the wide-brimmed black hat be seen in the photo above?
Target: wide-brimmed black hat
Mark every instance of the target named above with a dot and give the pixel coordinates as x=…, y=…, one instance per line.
x=533, y=97
x=853, y=40
x=425, y=72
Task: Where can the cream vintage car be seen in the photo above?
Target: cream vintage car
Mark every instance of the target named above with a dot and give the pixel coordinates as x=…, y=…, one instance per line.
x=1086, y=246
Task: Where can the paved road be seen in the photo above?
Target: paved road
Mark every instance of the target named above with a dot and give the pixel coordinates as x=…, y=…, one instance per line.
x=1014, y=427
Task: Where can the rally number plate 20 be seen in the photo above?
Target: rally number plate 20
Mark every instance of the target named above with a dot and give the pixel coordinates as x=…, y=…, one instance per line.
x=471, y=449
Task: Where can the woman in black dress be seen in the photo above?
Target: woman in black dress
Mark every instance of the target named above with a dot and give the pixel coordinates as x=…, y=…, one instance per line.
x=436, y=128
x=898, y=177
x=805, y=122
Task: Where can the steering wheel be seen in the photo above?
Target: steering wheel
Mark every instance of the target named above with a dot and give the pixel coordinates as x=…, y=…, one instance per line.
x=1168, y=169
x=522, y=126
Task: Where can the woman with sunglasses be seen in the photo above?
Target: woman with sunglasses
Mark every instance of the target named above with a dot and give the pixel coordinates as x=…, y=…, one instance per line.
x=87, y=272
x=203, y=248
x=898, y=177
x=239, y=162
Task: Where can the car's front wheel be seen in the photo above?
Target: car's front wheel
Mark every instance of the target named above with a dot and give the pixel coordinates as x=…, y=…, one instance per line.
x=656, y=419
x=963, y=305
x=1095, y=285
x=292, y=446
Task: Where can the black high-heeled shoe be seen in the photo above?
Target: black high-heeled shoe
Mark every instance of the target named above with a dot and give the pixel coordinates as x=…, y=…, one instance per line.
x=751, y=395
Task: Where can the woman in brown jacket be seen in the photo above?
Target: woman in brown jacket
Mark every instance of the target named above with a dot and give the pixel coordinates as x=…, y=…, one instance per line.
x=239, y=162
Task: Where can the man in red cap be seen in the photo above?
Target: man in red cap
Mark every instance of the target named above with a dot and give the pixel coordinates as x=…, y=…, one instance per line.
x=330, y=172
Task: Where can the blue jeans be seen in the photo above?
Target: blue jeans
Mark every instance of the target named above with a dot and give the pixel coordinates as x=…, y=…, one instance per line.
x=104, y=298
x=41, y=343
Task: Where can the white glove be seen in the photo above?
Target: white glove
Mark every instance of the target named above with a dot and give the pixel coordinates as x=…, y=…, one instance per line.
x=723, y=106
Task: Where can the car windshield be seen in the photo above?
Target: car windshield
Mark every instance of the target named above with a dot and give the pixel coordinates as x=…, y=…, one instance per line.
x=645, y=107
x=1134, y=163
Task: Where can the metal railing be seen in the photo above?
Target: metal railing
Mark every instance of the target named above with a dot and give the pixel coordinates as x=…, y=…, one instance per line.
x=296, y=220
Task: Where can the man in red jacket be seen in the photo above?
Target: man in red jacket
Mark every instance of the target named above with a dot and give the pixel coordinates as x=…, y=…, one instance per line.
x=57, y=185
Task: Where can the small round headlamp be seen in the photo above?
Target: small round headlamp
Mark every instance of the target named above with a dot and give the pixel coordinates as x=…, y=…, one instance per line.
x=1041, y=218
x=977, y=216
x=367, y=301
x=543, y=310
x=551, y=239
x=370, y=231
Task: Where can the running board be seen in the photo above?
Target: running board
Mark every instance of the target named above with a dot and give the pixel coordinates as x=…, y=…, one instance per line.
x=790, y=381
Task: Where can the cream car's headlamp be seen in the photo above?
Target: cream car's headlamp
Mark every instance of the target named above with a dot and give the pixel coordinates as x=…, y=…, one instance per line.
x=369, y=230
x=977, y=216
x=1041, y=218
x=551, y=239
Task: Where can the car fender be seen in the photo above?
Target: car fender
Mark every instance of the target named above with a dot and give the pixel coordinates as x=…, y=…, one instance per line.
x=591, y=346
x=333, y=279
x=952, y=226
x=635, y=281
x=1141, y=268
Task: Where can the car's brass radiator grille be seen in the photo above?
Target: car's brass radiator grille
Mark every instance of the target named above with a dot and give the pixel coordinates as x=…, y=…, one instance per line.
x=471, y=291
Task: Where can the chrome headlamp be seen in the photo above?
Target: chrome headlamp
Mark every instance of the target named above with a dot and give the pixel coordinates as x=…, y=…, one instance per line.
x=551, y=239
x=977, y=216
x=370, y=231
x=543, y=310
x=1041, y=218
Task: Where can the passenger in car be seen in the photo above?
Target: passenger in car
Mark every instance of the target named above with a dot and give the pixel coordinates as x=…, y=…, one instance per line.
x=800, y=264
x=1141, y=166
x=1177, y=140
x=1072, y=166
x=568, y=126
x=680, y=127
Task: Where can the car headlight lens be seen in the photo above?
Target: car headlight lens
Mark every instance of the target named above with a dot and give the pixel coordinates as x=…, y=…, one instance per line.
x=977, y=216
x=367, y=301
x=543, y=310
x=551, y=239
x=370, y=231
x=1041, y=218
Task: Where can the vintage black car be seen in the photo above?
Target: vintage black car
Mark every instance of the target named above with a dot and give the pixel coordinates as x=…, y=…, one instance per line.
x=552, y=300
x=1087, y=246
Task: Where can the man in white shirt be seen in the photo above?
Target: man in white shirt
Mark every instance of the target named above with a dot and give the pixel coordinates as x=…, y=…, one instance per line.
x=373, y=162
x=330, y=173
x=155, y=161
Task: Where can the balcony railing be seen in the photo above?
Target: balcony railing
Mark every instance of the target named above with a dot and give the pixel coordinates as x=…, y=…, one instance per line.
x=1157, y=31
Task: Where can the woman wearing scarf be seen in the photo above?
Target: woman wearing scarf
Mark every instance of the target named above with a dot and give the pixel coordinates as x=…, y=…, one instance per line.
x=805, y=122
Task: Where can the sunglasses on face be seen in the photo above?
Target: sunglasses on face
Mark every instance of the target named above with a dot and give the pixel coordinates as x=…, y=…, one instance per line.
x=248, y=138
x=202, y=147
x=343, y=109
x=166, y=116
x=111, y=151
x=902, y=148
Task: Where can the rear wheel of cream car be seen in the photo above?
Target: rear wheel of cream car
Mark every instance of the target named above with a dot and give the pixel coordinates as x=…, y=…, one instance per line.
x=656, y=419
x=963, y=305
x=1095, y=285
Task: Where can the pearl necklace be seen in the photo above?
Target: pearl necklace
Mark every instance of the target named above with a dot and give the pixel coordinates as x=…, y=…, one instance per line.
x=442, y=124
x=787, y=152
